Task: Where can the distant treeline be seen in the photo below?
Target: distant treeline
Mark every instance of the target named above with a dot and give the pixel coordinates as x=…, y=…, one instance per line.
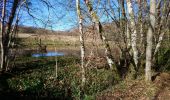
x=33, y=30
x=26, y=29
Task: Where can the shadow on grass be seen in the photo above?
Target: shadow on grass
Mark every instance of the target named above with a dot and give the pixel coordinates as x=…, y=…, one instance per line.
x=26, y=74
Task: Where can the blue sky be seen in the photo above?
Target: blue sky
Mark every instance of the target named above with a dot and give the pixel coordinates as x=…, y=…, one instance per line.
x=56, y=18
x=60, y=17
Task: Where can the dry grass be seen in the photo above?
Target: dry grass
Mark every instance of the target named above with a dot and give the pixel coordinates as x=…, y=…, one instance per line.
x=128, y=89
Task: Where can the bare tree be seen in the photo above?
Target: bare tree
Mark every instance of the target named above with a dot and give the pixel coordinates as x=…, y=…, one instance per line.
x=133, y=31
x=99, y=28
x=162, y=20
x=82, y=47
x=10, y=14
x=3, y=34
x=149, y=40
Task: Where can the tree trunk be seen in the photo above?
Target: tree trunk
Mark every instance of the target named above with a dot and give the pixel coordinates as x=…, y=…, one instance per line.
x=113, y=66
x=128, y=36
x=149, y=40
x=140, y=23
x=3, y=35
x=162, y=22
x=98, y=26
x=6, y=34
x=82, y=48
x=133, y=36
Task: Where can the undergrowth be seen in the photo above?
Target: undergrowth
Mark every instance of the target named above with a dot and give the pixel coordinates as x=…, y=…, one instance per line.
x=36, y=76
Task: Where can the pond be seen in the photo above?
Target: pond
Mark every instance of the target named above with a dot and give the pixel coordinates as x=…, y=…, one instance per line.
x=48, y=54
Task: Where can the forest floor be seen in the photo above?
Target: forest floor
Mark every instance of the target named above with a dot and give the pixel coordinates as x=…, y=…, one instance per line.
x=136, y=90
x=158, y=89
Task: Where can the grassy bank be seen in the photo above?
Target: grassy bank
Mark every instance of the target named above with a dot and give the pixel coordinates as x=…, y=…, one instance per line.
x=35, y=78
x=34, y=42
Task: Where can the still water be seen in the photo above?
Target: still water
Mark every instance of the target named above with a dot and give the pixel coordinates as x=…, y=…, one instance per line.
x=48, y=54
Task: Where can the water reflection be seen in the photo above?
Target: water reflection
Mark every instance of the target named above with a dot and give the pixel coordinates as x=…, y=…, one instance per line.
x=48, y=54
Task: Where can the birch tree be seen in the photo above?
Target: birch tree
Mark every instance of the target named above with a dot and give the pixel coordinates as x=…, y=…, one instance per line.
x=133, y=31
x=141, y=24
x=162, y=22
x=149, y=40
x=99, y=29
x=2, y=32
x=82, y=47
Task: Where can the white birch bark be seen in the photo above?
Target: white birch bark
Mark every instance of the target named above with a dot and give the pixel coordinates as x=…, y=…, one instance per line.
x=163, y=22
x=134, y=32
x=98, y=26
x=159, y=43
x=82, y=47
x=149, y=40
